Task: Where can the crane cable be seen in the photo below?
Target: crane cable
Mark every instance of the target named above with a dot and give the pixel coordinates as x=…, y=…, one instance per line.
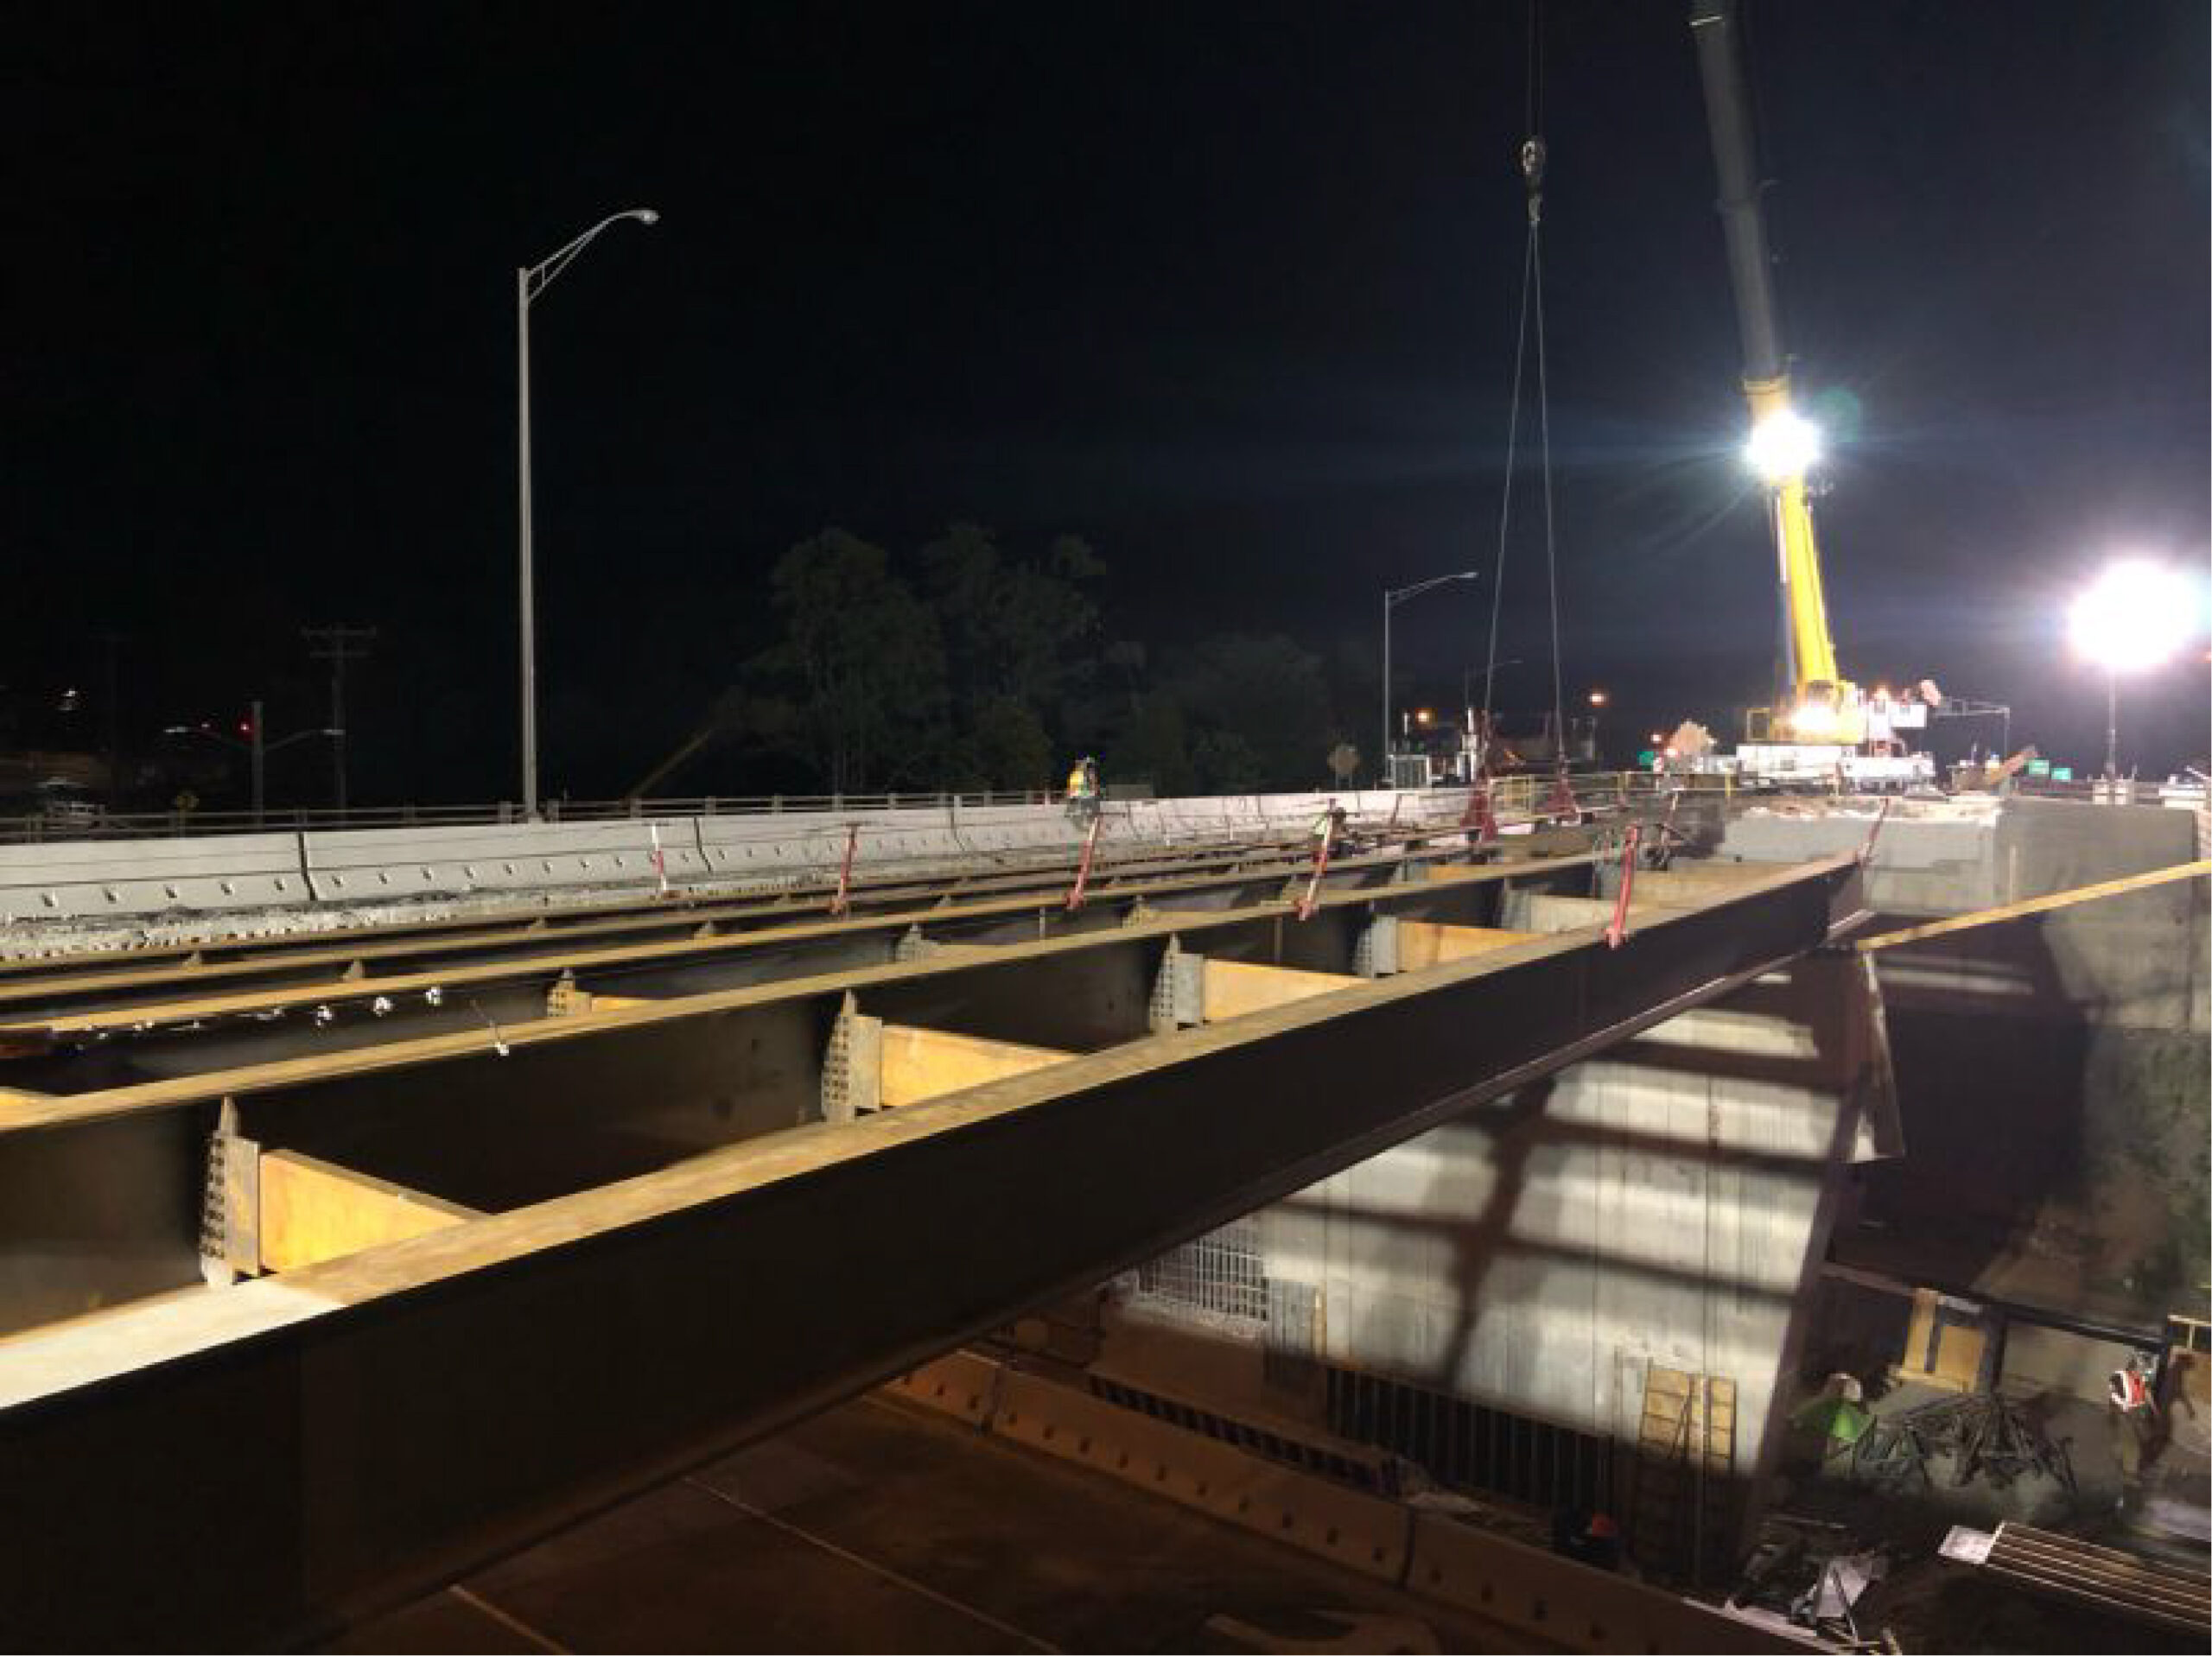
x=1532, y=158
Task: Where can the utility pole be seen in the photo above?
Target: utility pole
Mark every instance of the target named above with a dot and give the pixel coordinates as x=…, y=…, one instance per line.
x=340, y=645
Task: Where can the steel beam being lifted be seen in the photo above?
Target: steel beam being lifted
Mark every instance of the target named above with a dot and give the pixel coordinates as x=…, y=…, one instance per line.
x=271, y=1458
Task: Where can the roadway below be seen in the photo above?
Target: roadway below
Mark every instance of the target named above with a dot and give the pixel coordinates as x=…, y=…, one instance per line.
x=877, y=1526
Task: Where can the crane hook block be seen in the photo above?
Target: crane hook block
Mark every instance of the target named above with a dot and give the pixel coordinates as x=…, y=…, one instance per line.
x=1532, y=172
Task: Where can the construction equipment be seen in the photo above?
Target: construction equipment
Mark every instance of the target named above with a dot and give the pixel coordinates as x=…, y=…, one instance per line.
x=1826, y=726
x=1980, y=1434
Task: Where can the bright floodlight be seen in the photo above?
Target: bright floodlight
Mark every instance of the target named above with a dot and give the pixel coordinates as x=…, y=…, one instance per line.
x=1783, y=446
x=1814, y=719
x=2137, y=615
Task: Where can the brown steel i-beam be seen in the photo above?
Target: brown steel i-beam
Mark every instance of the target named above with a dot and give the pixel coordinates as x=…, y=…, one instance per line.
x=265, y=1462
x=73, y=1000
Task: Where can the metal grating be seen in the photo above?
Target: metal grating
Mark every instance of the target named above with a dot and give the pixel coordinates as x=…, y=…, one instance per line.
x=1468, y=1445
x=1222, y=1274
x=1289, y=1449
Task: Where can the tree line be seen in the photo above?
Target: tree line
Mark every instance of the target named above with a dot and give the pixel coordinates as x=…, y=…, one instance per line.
x=969, y=664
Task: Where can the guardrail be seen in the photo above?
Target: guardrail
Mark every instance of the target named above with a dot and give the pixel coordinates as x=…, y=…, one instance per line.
x=91, y=823
x=1522, y=795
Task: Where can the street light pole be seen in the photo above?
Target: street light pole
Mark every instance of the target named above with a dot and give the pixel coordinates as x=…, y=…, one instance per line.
x=2133, y=619
x=529, y=281
x=258, y=748
x=529, y=595
x=2111, y=726
x=1392, y=596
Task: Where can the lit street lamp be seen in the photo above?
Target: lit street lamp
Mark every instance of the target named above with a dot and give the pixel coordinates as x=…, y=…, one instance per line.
x=529, y=281
x=2135, y=617
x=1392, y=596
x=256, y=746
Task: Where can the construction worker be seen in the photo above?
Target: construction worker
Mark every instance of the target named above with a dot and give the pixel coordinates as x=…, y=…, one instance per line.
x=2135, y=1416
x=1083, y=789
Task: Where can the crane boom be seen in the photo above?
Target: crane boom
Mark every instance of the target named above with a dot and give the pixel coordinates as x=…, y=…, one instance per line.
x=1824, y=706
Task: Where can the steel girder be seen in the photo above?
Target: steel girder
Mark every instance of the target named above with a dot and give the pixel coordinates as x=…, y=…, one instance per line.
x=263, y=1462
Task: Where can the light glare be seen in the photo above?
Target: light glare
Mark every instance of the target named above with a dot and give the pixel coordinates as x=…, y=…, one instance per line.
x=2137, y=615
x=1814, y=719
x=1784, y=445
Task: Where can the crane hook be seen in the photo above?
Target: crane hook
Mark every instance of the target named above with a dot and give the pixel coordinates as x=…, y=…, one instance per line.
x=1532, y=172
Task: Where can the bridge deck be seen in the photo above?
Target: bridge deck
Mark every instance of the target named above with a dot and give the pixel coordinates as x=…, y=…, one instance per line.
x=705, y=1216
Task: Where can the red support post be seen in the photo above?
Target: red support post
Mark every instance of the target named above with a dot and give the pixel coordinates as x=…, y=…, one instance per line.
x=1560, y=801
x=1866, y=851
x=1479, y=816
x=1616, y=933
x=840, y=903
x=1083, y=868
x=1320, y=867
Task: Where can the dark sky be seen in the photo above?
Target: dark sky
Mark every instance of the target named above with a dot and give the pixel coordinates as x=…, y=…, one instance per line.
x=1228, y=289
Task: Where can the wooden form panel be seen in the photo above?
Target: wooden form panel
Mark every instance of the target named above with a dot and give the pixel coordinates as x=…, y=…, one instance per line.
x=313, y=1210
x=1426, y=942
x=1943, y=1344
x=925, y=1063
x=1235, y=987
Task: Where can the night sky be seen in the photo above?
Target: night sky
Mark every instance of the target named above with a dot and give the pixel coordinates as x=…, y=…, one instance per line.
x=1227, y=289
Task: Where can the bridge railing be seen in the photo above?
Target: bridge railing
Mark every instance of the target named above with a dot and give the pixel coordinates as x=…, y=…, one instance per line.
x=88, y=823
x=1513, y=797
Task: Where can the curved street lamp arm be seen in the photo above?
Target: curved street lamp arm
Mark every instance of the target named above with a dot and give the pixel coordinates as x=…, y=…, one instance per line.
x=297, y=736
x=539, y=276
x=1401, y=594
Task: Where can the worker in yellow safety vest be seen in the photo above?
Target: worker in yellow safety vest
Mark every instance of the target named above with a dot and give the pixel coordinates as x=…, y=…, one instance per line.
x=1083, y=792
x=1329, y=829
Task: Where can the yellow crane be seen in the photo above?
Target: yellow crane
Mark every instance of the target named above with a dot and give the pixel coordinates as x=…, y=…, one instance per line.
x=1823, y=708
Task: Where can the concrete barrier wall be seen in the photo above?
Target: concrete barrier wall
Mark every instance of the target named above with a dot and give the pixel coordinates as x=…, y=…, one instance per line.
x=127, y=880
x=113, y=879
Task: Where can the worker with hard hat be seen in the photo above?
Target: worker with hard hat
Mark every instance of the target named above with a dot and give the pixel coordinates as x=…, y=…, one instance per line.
x=1083, y=789
x=2135, y=1414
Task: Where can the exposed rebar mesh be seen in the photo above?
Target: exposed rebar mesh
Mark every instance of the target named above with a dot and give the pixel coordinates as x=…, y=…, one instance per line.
x=1221, y=1273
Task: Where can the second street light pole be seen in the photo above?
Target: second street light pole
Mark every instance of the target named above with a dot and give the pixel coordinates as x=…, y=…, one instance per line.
x=529, y=281
x=2111, y=726
x=1391, y=599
